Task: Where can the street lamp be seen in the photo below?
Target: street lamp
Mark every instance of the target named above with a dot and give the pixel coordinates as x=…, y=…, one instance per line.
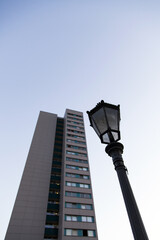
x=105, y=119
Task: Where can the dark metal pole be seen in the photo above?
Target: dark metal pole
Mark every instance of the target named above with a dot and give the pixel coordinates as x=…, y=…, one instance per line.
x=115, y=151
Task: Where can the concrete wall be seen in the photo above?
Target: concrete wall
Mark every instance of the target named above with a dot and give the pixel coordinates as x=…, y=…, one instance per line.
x=29, y=213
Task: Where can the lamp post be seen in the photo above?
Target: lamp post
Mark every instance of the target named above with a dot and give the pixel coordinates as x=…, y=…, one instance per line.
x=105, y=119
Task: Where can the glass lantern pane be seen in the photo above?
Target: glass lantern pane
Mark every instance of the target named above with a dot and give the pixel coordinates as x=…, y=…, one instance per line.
x=113, y=118
x=115, y=135
x=100, y=120
x=95, y=128
x=105, y=138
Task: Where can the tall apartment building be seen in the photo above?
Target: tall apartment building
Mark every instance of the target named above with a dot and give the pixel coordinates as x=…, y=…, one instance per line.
x=55, y=199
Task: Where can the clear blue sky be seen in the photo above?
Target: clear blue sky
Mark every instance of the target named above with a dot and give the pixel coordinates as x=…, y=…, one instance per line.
x=71, y=54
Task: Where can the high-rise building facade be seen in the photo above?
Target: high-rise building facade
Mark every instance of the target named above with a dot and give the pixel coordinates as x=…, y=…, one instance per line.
x=55, y=199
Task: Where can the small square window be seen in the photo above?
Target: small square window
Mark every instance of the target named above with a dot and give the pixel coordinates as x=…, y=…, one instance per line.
x=85, y=177
x=88, y=207
x=89, y=219
x=83, y=206
x=74, y=218
x=68, y=232
x=74, y=205
x=85, y=234
x=69, y=184
x=84, y=219
x=74, y=233
x=68, y=218
x=69, y=205
x=90, y=233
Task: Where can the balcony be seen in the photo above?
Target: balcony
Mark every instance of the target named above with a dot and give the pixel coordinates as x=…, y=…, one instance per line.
x=52, y=219
x=52, y=207
x=51, y=232
x=54, y=196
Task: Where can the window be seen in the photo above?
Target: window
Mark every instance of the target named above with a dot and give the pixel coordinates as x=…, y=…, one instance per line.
x=85, y=233
x=81, y=185
x=75, y=131
x=85, y=176
x=76, y=153
x=79, y=232
x=75, y=115
x=86, y=206
x=71, y=167
x=78, y=195
x=79, y=206
x=71, y=232
x=72, y=194
x=71, y=175
x=76, y=147
x=76, y=127
x=83, y=206
x=73, y=118
x=77, y=175
x=68, y=184
x=77, y=167
x=75, y=218
x=87, y=219
x=71, y=218
x=71, y=184
x=90, y=219
x=91, y=233
x=68, y=218
x=81, y=124
x=75, y=141
x=83, y=168
x=76, y=160
x=75, y=136
x=71, y=205
x=84, y=219
x=68, y=232
x=85, y=195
